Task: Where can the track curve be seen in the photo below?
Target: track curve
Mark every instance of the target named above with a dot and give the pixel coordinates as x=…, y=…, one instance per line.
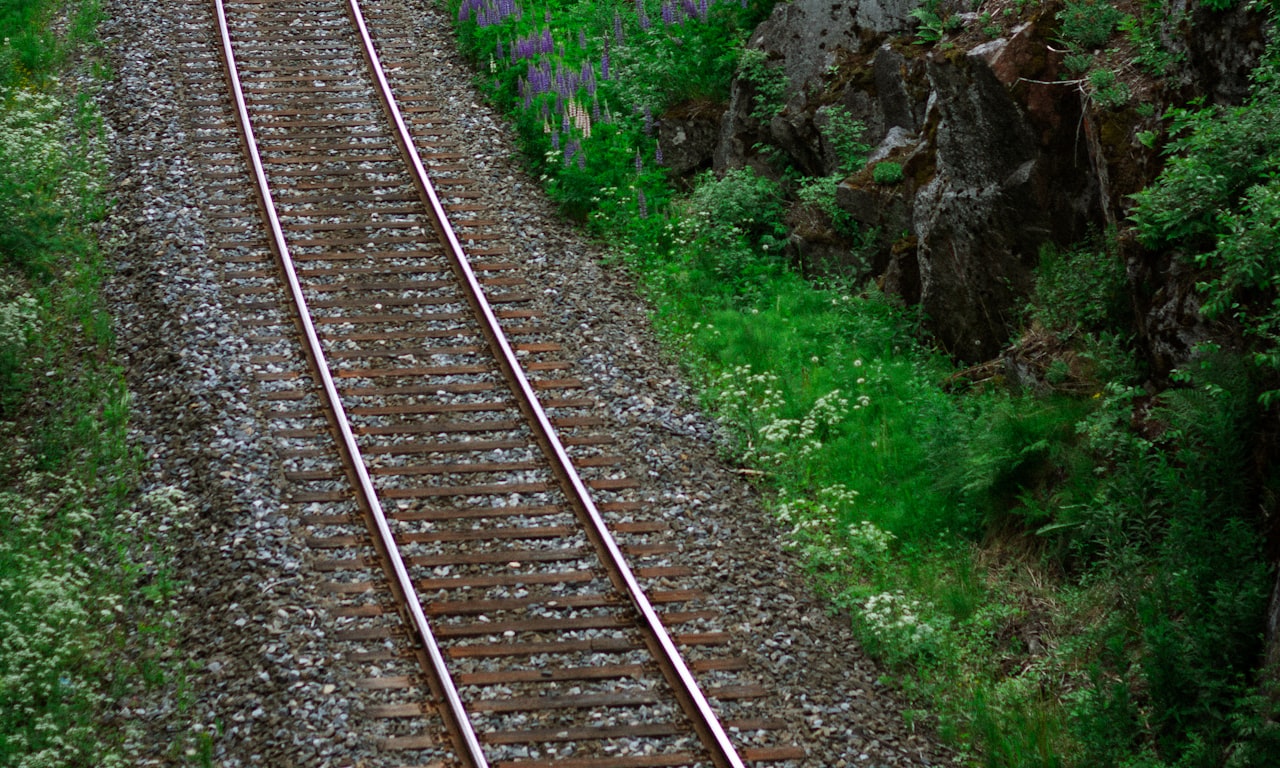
x=537, y=639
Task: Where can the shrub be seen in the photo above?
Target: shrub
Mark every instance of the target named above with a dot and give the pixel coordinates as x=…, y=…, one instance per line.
x=1218, y=202
x=1106, y=89
x=819, y=194
x=1088, y=24
x=1146, y=32
x=1085, y=287
x=844, y=134
x=769, y=83
x=887, y=172
x=739, y=203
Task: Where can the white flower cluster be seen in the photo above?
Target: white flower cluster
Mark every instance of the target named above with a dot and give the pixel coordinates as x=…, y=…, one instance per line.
x=896, y=622
x=748, y=404
x=814, y=526
x=33, y=140
x=804, y=435
x=47, y=628
x=869, y=538
x=19, y=319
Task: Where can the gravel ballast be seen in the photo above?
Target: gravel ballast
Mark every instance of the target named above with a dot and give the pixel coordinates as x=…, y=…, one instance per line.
x=265, y=676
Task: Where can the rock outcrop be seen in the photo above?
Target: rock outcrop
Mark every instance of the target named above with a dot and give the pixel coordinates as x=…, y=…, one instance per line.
x=1002, y=149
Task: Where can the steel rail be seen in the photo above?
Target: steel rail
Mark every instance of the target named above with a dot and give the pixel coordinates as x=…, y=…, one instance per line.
x=686, y=688
x=455, y=714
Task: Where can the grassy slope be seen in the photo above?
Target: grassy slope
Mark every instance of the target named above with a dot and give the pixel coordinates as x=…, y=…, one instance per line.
x=81, y=591
x=1060, y=587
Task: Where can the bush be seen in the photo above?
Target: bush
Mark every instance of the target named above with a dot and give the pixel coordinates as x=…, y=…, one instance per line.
x=1218, y=202
x=769, y=83
x=844, y=134
x=887, y=172
x=1088, y=24
x=1107, y=90
x=1084, y=288
x=738, y=203
x=819, y=195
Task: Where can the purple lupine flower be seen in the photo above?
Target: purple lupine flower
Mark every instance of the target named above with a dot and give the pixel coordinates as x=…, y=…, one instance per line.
x=582, y=161
x=648, y=122
x=548, y=45
x=639, y=162
x=642, y=205
x=604, y=66
x=582, y=39
x=547, y=16
x=555, y=140
x=644, y=20
x=657, y=154
x=595, y=111
x=568, y=152
x=689, y=8
x=668, y=14
x=617, y=27
x=703, y=9
x=564, y=122
x=464, y=12
x=500, y=51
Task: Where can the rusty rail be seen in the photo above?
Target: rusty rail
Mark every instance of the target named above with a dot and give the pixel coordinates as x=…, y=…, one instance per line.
x=692, y=700
x=663, y=649
x=367, y=497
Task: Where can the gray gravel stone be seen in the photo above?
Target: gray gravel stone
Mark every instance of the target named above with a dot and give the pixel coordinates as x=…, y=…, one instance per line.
x=267, y=676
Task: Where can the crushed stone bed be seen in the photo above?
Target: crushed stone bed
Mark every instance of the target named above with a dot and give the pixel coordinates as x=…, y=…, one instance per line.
x=267, y=676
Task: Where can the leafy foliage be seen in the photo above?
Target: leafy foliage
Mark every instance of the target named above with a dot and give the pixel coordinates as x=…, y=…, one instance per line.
x=1081, y=288
x=1088, y=24
x=819, y=194
x=932, y=22
x=1106, y=89
x=1173, y=514
x=1218, y=201
x=769, y=83
x=887, y=172
x=844, y=134
x=1146, y=33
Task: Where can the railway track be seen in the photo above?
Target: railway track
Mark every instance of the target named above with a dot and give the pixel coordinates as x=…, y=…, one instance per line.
x=481, y=543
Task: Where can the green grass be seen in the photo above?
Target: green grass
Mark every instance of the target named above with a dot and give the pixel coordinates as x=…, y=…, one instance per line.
x=1066, y=576
x=81, y=579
